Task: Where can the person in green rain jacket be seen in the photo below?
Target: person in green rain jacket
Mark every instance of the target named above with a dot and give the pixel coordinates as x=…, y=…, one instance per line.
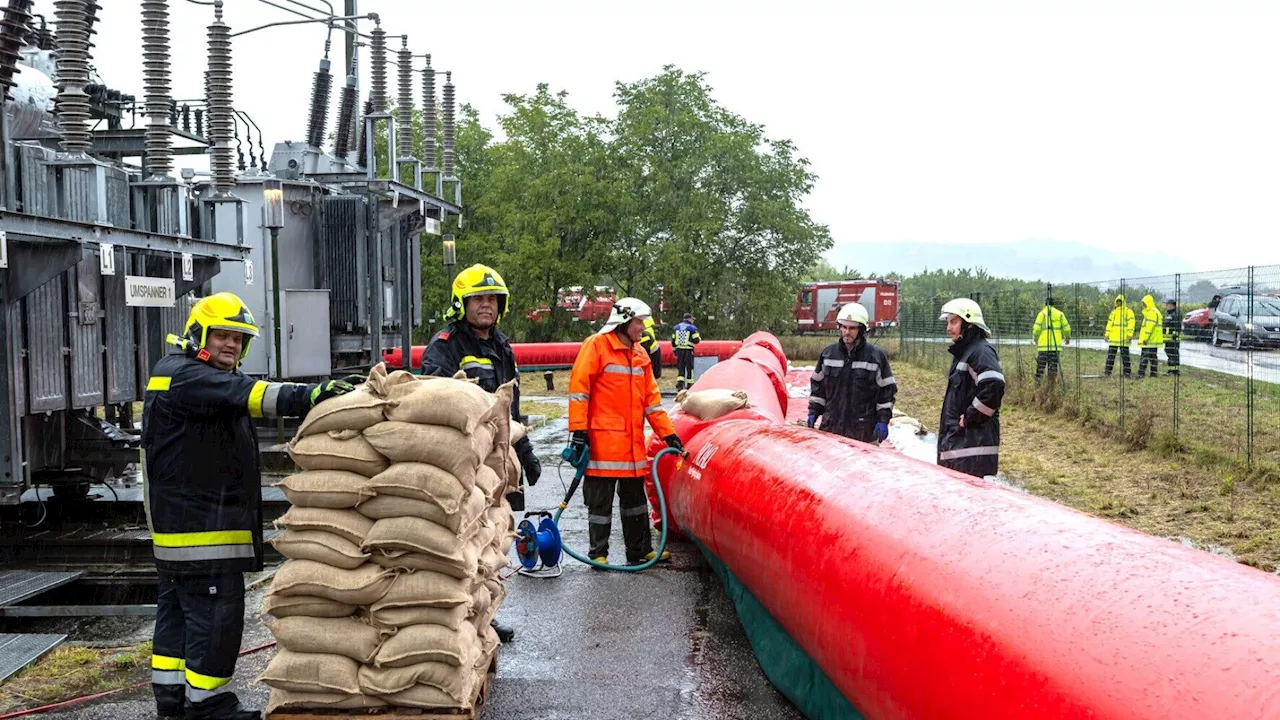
x=1050, y=332
x=1120, y=327
x=1150, y=336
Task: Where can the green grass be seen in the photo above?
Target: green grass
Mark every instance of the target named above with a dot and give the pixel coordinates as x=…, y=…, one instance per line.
x=71, y=671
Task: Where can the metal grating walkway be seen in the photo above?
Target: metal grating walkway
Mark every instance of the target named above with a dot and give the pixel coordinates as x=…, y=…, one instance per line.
x=19, y=585
x=19, y=651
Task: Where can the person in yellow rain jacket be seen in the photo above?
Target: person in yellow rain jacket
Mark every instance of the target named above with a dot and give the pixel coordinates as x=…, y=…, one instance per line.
x=1150, y=337
x=1051, y=332
x=1120, y=327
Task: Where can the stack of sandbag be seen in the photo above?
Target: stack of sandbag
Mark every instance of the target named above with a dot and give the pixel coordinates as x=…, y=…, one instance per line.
x=395, y=542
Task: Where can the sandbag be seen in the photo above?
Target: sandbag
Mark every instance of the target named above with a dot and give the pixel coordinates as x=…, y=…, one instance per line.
x=346, y=450
x=412, y=534
x=390, y=506
x=361, y=586
x=458, y=683
x=312, y=673
x=353, y=411
x=481, y=600
x=424, y=588
x=492, y=561
x=459, y=405
x=337, y=489
x=380, y=382
x=401, y=560
x=419, y=481
x=424, y=696
x=398, y=617
x=447, y=448
x=322, y=547
x=497, y=591
x=283, y=606
x=348, y=524
x=488, y=481
x=518, y=432
x=426, y=643
x=500, y=517
x=711, y=403
x=286, y=699
x=328, y=636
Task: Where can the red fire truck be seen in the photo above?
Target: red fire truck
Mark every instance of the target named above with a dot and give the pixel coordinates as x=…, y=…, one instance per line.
x=817, y=304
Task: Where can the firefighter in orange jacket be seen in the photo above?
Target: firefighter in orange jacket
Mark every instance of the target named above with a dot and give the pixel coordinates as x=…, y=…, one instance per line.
x=611, y=393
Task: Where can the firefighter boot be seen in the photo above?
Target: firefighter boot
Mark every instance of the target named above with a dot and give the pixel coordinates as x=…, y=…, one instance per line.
x=505, y=633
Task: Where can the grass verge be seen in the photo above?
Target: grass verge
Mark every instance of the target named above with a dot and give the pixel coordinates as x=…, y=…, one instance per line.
x=71, y=671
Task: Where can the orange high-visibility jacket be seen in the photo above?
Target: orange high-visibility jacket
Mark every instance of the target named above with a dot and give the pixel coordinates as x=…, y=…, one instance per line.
x=611, y=392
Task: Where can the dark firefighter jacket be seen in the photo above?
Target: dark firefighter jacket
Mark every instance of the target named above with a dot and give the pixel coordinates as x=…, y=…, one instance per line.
x=490, y=361
x=685, y=335
x=975, y=388
x=1172, y=325
x=852, y=389
x=203, y=481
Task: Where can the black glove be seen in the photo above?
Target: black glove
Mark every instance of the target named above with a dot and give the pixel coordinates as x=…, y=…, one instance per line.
x=354, y=379
x=529, y=461
x=673, y=442
x=579, y=440
x=331, y=389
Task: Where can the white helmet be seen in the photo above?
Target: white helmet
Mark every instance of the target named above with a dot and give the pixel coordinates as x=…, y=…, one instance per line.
x=853, y=313
x=623, y=311
x=966, y=310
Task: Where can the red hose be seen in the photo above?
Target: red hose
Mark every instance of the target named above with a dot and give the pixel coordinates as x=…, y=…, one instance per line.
x=86, y=698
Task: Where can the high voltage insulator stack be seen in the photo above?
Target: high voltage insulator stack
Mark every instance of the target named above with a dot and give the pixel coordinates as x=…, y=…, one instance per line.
x=321, y=84
x=13, y=25
x=448, y=125
x=72, y=104
x=155, y=80
x=346, y=115
x=378, y=70
x=429, y=116
x=218, y=86
x=404, y=103
x=362, y=157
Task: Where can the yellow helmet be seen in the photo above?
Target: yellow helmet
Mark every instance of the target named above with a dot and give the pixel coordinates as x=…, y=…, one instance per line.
x=223, y=311
x=477, y=280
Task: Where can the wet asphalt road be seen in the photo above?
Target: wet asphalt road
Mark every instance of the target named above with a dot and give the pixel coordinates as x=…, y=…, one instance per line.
x=665, y=643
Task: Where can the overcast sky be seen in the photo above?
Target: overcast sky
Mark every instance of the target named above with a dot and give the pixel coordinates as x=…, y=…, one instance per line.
x=1144, y=126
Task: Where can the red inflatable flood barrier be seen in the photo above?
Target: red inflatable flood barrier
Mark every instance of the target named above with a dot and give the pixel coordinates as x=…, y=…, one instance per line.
x=563, y=354
x=923, y=593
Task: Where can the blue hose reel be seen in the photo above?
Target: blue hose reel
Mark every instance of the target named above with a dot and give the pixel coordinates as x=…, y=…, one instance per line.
x=538, y=544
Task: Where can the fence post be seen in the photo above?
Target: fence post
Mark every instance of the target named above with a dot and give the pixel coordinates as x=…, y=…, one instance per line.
x=1177, y=377
x=1248, y=382
x=1125, y=345
x=1079, y=337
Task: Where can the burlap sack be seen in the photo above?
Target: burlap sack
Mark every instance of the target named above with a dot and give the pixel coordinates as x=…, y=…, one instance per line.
x=445, y=447
x=398, y=617
x=518, y=432
x=401, y=560
x=424, y=588
x=347, y=636
x=425, y=696
x=451, y=403
x=419, y=481
x=491, y=561
x=352, y=411
x=481, y=600
x=458, y=683
x=488, y=481
x=380, y=382
x=506, y=466
x=426, y=643
x=337, y=489
x=285, y=700
x=312, y=673
x=412, y=534
x=323, y=547
x=489, y=641
x=362, y=586
x=348, y=524
x=501, y=518
x=346, y=450
x=497, y=591
x=391, y=506
x=711, y=404
x=282, y=606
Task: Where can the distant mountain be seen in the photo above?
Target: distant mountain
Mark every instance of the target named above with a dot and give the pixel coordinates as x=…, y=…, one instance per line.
x=1052, y=261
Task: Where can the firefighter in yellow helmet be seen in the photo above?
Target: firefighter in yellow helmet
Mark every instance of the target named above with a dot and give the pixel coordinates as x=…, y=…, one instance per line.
x=204, y=501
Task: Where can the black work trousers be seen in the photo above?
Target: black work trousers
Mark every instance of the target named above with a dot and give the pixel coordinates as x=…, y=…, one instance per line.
x=1047, y=360
x=1111, y=359
x=684, y=369
x=199, y=623
x=1173, y=353
x=634, y=507
x=1149, y=357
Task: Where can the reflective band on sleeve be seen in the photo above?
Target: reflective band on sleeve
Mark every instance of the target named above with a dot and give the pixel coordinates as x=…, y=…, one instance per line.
x=583, y=397
x=982, y=408
x=623, y=370
x=652, y=409
x=615, y=465
x=969, y=452
x=965, y=366
x=255, y=398
x=886, y=382
x=208, y=537
x=202, y=552
x=636, y=511
x=159, y=383
x=599, y=519
x=990, y=375
x=884, y=406
x=271, y=400
x=164, y=662
x=817, y=400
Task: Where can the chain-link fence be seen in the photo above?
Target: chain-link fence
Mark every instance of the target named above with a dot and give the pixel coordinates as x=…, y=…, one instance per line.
x=1187, y=361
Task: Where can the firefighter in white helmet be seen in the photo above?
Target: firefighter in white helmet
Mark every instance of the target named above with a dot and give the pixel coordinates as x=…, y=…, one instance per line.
x=852, y=389
x=969, y=431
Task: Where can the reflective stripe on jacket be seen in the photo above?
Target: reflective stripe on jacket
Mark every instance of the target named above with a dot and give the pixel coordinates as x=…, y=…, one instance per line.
x=1120, y=324
x=684, y=336
x=203, y=481
x=1051, y=329
x=1152, y=333
x=490, y=361
x=852, y=389
x=975, y=390
x=611, y=394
